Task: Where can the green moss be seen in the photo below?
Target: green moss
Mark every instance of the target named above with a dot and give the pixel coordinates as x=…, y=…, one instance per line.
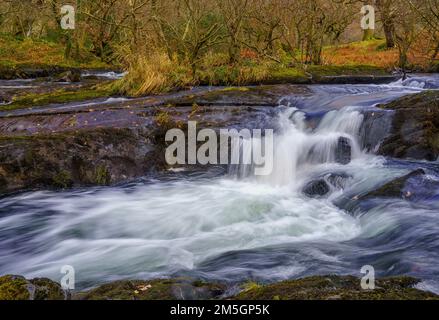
x=394, y=188
x=102, y=176
x=63, y=180
x=347, y=70
x=289, y=75
x=240, y=89
x=14, y=288
x=46, y=289
x=18, y=288
x=337, y=288
x=173, y=289
x=59, y=96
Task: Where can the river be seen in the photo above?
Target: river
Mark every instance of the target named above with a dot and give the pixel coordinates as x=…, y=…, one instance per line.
x=223, y=225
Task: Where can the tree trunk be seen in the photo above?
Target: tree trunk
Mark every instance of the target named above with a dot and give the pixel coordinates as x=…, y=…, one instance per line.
x=368, y=34
x=388, y=32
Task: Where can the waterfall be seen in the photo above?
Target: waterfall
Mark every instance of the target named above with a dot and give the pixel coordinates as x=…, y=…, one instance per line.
x=298, y=147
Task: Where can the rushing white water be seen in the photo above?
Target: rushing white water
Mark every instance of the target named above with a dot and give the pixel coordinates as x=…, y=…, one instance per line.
x=165, y=227
x=299, y=150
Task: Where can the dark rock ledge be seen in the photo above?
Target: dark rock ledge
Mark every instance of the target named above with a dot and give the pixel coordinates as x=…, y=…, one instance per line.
x=415, y=127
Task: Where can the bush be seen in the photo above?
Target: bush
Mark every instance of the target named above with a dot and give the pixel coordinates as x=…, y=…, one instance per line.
x=152, y=75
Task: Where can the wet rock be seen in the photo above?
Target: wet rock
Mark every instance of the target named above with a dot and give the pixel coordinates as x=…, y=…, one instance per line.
x=69, y=76
x=312, y=288
x=19, y=288
x=395, y=188
x=375, y=128
x=336, y=288
x=317, y=188
x=343, y=153
x=100, y=156
x=168, y=289
x=323, y=185
x=4, y=99
x=30, y=71
x=266, y=95
x=415, y=127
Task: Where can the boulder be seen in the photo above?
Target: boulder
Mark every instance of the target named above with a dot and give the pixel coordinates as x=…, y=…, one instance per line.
x=100, y=156
x=415, y=128
x=323, y=185
x=318, y=188
x=343, y=153
x=18, y=288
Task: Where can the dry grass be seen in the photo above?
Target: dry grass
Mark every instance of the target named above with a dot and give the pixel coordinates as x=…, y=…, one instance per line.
x=371, y=53
x=152, y=75
x=28, y=51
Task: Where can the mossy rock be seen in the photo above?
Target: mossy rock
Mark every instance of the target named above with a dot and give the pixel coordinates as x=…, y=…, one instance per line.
x=63, y=180
x=102, y=176
x=172, y=289
x=59, y=96
x=336, y=288
x=95, y=157
x=18, y=288
x=14, y=288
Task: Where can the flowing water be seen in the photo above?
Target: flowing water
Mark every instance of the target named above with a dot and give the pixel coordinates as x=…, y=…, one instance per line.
x=231, y=226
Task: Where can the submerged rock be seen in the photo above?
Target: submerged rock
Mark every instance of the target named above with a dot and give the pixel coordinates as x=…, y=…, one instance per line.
x=415, y=127
x=395, y=188
x=408, y=187
x=18, y=288
x=337, y=288
x=317, y=188
x=323, y=185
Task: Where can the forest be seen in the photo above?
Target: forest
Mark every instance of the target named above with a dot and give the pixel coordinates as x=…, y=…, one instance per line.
x=177, y=43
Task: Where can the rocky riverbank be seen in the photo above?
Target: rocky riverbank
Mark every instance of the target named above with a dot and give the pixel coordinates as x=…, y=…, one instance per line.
x=312, y=288
x=108, y=143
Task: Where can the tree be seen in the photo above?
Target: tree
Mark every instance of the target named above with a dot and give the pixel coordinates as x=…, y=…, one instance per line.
x=233, y=13
x=388, y=15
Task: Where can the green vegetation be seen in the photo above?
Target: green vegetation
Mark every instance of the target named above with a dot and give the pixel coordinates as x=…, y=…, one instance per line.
x=103, y=176
x=58, y=96
x=13, y=288
x=336, y=288
x=214, y=42
x=166, y=289
x=312, y=288
x=18, y=288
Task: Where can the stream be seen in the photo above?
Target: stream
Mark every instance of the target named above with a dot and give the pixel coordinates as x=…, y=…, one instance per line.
x=226, y=225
